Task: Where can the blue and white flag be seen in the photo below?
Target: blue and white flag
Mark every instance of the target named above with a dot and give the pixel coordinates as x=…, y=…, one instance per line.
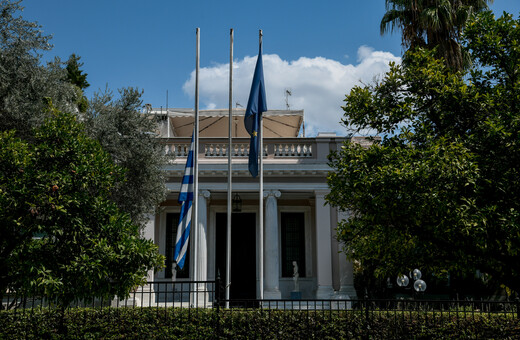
x=186, y=199
x=255, y=106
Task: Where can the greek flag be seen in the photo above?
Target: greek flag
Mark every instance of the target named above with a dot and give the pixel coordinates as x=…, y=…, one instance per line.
x=186, y=199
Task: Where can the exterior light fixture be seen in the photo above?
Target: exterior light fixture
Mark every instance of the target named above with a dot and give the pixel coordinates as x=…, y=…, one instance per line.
x=418, y=285
x=237, y=203
x=402, y=281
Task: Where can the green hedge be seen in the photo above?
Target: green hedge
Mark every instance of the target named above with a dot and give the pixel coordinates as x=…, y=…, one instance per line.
x=152, y=323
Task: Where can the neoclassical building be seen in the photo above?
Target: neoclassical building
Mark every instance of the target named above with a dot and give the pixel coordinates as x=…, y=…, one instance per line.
x=298, y=224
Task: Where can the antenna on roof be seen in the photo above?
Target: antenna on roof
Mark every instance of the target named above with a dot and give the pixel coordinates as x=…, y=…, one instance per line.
x=237, y=104
x=288, y=93
x=166, y=101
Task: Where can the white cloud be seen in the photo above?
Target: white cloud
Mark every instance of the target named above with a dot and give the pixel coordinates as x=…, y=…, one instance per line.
x=318, y=85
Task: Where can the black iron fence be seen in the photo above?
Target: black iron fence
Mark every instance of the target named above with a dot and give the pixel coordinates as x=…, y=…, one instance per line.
x=204, y=294
x=192, y=298
x=181, y=294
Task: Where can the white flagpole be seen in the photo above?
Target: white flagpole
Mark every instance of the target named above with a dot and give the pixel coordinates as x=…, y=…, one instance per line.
x=261, y=201
x=229, y=197
x=196, y=164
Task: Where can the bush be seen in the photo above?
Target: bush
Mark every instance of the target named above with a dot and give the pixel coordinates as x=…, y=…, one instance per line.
x=175, y=323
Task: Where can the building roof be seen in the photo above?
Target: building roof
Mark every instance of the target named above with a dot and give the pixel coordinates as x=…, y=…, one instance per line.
x=215, y=123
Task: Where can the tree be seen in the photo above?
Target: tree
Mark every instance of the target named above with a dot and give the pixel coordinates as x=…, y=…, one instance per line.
x=432, y=24
x=130, y=138
x=79, y=79
x=117, y=124
x=441, y=191
x=74, y=74
x=61, y=234
x=24, y=83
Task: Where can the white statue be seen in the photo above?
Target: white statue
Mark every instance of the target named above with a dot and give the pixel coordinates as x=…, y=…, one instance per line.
x=296, y=275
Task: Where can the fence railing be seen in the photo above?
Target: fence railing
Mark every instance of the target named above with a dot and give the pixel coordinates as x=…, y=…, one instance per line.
x=190, y=299
x=206, y=294
x=183, y=294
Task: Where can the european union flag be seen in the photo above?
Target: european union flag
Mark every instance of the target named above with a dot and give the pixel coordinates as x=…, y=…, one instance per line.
x=255, y=106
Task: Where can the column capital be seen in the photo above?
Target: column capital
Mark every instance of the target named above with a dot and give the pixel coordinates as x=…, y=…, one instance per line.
x=273, y=193
x=204, y=193
x=321, y=192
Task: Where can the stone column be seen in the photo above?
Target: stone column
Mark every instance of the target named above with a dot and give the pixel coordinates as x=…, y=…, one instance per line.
x=323, y=246
x=201, y=252
x=271, y=246
x=346, y=270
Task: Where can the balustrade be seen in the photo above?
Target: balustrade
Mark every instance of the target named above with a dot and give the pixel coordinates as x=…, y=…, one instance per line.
x=177, y=150
x=273, y=148
x=293, y=150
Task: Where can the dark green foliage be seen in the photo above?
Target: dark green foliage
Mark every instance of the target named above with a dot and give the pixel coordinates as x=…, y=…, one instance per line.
x=152, y=323
x=79, y=79
x=57, y=189
x=60, y=185
x=74, y=74
x=441, y=191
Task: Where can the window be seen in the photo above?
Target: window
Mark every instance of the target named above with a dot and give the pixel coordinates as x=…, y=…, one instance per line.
x=293, y=243
x=172, y=222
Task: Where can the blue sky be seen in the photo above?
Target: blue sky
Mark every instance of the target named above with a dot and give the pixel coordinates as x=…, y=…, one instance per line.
x=318, y=49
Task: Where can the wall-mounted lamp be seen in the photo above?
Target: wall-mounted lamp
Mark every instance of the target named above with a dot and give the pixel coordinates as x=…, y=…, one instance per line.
x=237, y=203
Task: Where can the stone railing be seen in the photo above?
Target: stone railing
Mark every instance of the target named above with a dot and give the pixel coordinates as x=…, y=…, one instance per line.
x=274, y=148
x=178, y=150
x=221, y=150
x=300, y=150
x=297, y=150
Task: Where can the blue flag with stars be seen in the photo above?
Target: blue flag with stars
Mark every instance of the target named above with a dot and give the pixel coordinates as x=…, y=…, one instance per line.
x=255, y=106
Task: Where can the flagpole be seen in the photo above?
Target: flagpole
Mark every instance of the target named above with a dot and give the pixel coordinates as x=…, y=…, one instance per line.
x=261, y=198
x=196, y=163
x=229, y=197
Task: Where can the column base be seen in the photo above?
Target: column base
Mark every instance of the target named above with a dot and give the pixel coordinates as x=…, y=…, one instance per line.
x=200, y=295
x=147, y=294
x=349, y=291
x=130, y=302
x=324, y=292
x=272, y=294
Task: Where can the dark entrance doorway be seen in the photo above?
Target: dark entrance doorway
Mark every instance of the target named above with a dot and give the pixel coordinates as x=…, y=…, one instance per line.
x=243, y=254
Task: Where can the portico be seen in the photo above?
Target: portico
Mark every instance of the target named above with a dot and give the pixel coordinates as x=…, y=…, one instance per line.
x=298, y=225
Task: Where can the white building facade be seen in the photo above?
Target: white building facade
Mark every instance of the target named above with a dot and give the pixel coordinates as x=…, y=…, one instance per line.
x=298, y=224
